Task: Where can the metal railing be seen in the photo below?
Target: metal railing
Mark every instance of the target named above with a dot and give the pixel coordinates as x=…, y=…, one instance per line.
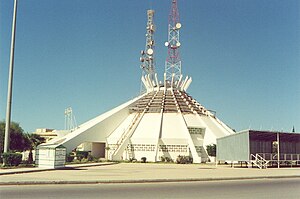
x=127, y=132
x=282, y=156
x=259, y=161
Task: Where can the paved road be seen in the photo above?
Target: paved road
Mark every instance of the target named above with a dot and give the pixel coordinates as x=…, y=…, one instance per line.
x=264, y=188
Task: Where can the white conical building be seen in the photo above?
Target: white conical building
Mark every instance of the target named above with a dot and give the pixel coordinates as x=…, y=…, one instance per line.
x=165, y=121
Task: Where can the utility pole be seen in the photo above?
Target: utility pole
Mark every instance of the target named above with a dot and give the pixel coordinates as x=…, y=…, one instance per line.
x=10, y=79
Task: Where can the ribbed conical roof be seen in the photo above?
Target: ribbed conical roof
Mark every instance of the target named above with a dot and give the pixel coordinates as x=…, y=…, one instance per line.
x=169, y=101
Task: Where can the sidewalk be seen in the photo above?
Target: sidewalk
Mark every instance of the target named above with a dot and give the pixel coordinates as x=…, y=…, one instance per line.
x=139, y=173
x=36, y=169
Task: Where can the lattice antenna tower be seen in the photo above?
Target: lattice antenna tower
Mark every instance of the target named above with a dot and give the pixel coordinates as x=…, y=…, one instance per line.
x=173, y=61
x=147, y=55
x=70, y=120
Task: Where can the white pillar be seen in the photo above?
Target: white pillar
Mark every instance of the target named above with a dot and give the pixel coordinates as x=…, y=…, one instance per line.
x=179, y=81
x=186, y=86
x=172, y=81
x=184, y=82
x=157, y=83
x=145, y=83
x=165, y=81
x=149, y=82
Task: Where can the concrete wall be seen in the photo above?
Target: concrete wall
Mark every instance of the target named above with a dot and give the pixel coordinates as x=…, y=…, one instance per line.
x=98, y=150
x=148, y=128
x=173, y=126
x=172, y=148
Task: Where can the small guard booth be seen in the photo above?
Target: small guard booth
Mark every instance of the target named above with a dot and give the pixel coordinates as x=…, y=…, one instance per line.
x=260, y=148
x=50, y=156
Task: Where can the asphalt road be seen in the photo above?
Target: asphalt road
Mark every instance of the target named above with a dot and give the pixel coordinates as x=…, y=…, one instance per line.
x=265, y=188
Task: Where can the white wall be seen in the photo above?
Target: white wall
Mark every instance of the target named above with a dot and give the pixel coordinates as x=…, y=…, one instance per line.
x=234, y=147
x=148, y=128
x=173, y=126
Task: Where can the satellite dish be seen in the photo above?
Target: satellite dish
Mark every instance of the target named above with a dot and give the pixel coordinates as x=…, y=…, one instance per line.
x=151, y=43
x=178, y=44
x=149, y=51
x=166, y=43
x=142, y=52
x=142, y=59
x=178, y=25
x=152, y=28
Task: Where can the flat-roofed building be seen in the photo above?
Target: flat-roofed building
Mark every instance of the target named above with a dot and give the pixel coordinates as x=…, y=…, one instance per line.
x=261, y=148
x=49, y=134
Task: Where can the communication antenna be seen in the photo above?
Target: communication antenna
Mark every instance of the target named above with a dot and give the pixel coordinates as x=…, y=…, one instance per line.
x=147, y=55
x=173, y=61
x=70, y=121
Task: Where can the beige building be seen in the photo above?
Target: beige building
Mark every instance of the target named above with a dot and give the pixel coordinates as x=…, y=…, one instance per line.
x=49, y=134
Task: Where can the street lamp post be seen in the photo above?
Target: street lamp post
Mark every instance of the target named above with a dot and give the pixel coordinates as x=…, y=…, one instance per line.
x=10, y=80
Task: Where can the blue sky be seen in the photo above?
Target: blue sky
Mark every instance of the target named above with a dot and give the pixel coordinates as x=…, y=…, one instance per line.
x=243, y=56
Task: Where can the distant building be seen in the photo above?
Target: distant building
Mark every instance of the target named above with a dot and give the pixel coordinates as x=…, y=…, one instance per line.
x=45, y=133
x=49, y=134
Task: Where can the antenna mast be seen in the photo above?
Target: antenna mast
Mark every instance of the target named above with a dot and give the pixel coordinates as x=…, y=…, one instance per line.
x=70, y=121
x=147, y=55
x=173, y=61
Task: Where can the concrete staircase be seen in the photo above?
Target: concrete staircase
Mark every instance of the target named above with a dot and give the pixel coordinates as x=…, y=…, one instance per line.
x=123, y=141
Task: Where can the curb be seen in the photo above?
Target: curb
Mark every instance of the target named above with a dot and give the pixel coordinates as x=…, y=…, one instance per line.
x=28, y=171
x=143, y=180
x=90, y=165
x=36, y=169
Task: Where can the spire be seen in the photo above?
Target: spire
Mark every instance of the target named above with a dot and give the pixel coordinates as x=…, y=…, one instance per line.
x=173, y=62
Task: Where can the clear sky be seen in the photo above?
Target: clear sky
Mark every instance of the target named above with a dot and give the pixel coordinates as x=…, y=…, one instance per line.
x=243, y=56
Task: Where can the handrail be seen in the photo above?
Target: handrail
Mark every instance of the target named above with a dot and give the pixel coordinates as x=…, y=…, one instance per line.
x=128, y=129
x=286, y=156
x=259, y=161
x=126, y=132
